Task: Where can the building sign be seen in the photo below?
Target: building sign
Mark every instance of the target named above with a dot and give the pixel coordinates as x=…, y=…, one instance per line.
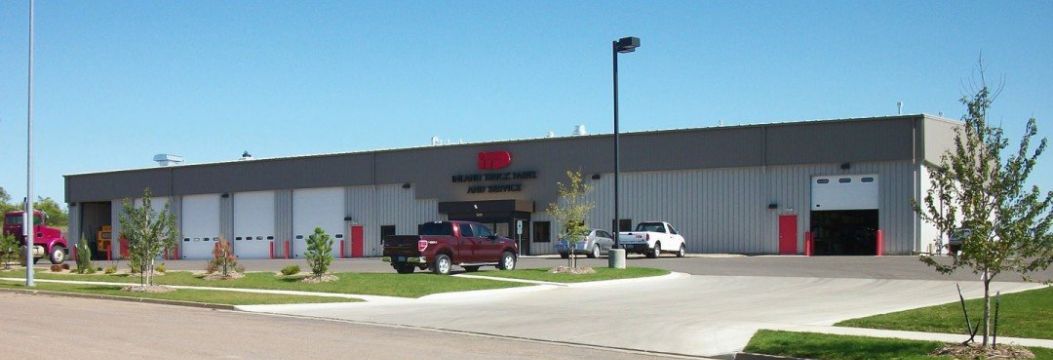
x=494, y=160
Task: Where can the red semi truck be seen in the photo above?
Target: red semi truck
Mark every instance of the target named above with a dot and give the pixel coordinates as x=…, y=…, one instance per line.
x=47, y=240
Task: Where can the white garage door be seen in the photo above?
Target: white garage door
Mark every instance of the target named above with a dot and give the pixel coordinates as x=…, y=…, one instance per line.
x=200, y=225
x=253, y=224
x=844, y=192
x=322, y=207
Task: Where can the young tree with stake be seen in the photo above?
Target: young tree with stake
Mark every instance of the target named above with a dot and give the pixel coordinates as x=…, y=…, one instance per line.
x=148, y=233
x=978, y=187
x=570, y=211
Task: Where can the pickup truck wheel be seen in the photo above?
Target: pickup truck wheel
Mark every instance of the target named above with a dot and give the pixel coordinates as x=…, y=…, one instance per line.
x=508, y=261
x=471, y=268
x=682, y=251
x=656, y=252
x=58, y=254
x=404, y=268
x=442, y=264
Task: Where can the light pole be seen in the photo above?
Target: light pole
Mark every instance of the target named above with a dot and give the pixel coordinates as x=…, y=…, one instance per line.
x=623, y=45
x=27, y=223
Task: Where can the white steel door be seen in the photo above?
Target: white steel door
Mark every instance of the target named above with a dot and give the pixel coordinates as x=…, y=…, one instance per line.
x=321, y=207
x=200, y=225
x=253, y=224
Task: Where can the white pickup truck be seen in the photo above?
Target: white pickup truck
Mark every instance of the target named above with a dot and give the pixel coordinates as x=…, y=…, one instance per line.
x=652, y=238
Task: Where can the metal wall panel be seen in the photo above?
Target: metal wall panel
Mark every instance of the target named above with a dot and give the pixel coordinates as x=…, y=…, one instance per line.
x=283, y=218
x=390, y=204
x=226, y=217
x=73, y=229
x=116, y=207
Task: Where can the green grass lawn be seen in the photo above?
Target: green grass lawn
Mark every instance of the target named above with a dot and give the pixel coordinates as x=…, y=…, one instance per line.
x=842, y=347
x=601, y=274
x=1026, y=314
x=199, y=296
x=386, y=284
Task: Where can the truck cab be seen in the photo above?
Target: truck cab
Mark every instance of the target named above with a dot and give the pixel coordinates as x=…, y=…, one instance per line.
x=652, y=238
x=46, y=240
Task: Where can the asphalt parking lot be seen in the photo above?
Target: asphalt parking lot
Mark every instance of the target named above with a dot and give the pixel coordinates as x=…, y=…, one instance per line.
x=852, y=267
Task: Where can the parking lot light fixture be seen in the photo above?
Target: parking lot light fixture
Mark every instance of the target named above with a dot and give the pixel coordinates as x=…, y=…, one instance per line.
x=624, y=45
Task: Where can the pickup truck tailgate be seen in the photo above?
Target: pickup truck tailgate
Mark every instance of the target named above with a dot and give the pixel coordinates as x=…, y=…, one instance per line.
x=401, y=245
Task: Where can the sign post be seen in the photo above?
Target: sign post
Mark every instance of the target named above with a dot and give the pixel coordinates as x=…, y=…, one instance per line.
x=519, y=233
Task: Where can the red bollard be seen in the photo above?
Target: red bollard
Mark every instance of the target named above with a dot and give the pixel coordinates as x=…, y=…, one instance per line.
x=808, y=243
x=272, y=250
x=287, y=250
x=880, y=243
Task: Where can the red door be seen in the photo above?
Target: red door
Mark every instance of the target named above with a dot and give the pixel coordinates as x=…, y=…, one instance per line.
x=787, y=234
x=356, y=241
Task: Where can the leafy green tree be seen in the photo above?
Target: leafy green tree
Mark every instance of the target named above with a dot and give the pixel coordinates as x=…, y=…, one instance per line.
x=9, y=249
x=5, y=203
x=57, y=215
x=570, y=211
x=149, y=234
x=319, y=252
x=981, y=187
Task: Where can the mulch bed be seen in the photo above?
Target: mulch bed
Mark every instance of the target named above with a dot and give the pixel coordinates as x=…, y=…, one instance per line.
x=959, y=351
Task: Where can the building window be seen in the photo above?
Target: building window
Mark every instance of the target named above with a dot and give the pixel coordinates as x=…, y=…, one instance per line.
x=542, y=231
x=386, y=230
x=868, y=179
x=823, y=181
x=844, y=180
x=624, y=224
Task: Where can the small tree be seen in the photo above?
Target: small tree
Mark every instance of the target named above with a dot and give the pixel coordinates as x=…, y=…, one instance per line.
x=9, y=249
x=84, y=265
x=570, y=210
x=223, y=259
x=149, y=234
x=319, y=252
x=978, y=187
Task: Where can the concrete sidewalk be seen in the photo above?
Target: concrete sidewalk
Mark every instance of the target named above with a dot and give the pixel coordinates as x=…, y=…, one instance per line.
x=908, y=335
x=369, y=298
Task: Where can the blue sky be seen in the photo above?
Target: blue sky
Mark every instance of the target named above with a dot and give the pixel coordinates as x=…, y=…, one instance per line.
x=120, y=81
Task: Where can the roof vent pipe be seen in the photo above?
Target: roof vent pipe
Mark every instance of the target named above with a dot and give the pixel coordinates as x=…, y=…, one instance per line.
x=579, y=130
x=245, y=156
x=899, y=108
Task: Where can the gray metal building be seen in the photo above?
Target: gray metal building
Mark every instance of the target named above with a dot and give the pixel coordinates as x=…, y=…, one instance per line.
x=754, y=189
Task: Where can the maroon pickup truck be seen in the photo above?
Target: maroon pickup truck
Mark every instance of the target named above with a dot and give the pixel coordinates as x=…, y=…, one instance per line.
x=440, y=245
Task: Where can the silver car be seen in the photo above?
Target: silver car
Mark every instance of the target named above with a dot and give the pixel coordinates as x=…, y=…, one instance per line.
x=598, y=241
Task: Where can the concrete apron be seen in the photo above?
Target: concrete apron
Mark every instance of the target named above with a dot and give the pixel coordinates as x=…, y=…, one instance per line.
x=689, y=315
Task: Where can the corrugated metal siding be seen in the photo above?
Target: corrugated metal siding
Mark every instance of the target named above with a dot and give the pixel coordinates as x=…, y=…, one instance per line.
x=176, y=209
x=283, y=215
x=390, y=204
x=726, y=210
x=115, y=227
x=73, y=229
x=226, y=217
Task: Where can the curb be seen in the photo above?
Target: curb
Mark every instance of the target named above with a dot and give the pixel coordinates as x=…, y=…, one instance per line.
x=752, y=356
x=123, y=298
x=670, y=275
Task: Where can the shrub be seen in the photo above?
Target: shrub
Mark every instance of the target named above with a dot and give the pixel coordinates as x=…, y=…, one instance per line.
x=160, y=268
x=291, y=270
x=223, y=259
x=84, y=265
x=112, y=269
x=56, y=268
x=8, y=249
x=319, y=252
x=99, y=268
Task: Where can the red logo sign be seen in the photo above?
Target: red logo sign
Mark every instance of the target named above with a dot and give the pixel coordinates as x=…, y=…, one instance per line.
x=493, y=160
